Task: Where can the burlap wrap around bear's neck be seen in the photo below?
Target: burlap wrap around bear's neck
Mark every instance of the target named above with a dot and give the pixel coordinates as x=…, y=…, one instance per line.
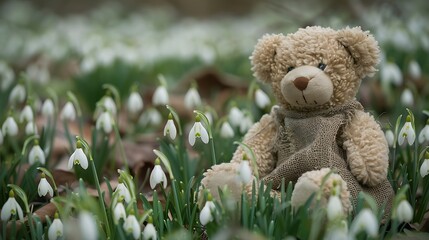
x=308, y=141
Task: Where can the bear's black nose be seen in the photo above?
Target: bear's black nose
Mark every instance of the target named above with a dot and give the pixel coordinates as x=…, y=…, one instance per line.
x=301, y=83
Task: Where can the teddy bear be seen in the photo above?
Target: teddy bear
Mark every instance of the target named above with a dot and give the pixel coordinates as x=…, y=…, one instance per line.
x=318, y=136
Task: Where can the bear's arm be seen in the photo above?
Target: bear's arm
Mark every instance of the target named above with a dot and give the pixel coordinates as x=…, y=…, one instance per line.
x=260, y=139
x=367, y=149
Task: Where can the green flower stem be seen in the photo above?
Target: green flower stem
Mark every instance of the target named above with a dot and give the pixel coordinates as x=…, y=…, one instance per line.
x=176, y=202
x=68, y=135
x=213, y=150
x=121, y=146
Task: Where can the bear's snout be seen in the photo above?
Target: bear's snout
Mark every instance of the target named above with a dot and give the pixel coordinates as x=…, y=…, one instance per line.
x=301, y=83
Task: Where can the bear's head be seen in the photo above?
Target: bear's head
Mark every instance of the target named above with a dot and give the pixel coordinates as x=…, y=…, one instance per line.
x=315, y=67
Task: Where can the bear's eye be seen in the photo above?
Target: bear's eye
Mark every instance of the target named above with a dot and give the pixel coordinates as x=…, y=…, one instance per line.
x=322, y=66
x=290, y=68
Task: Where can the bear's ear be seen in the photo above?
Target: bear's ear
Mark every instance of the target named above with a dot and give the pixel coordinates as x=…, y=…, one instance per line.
x=263, y=57
x=362, y=47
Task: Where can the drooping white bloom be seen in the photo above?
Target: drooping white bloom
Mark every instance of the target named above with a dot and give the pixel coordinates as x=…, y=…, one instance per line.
x=109, y=104
x=68, y=113
x=407, y=132
x=149, y=232
x=337, y=232
x=262, y=99
x=56, y=230
x=192, y=99
x=104, y=122
x=123, y=192
x=414, y=69
x=9, y=127
x=160, y=96
x=235, y=116
x=390, y=73
x=407, y=98
x=390, y=137
x=6, y=75
x=244, y=172
x=88, y=226
x=119, y=212
x=206, y=214
x=36, y=155
x=48, y=108
x=17, y=95
x=226, y=130
x=198, y=131
x=26, y=114
x=78, y=157
x=404, y=212
x=157, y=176
x=246, y=123
x=170, y=128
x=424, y=134
x=30, y=128
x=365, y=221
x=11, y=207
x=151, y=117
x=44, y=187
x=424, y=168
x=131, y=225
x=334, y=208
x=135, y=103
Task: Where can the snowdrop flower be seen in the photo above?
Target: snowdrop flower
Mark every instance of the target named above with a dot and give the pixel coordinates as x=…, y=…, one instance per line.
x=226, y=130
x=390, y=73
x=36, y=154
x=11, y=207
x=206, y=214
x=109, y=105
x=10, y=127
x=30, y=128
x=119, y=212
x=160, y=96
x=123, y=192
x=131, y=225
x=424, y=133
x=192, y=99
x=151, y=117
x=26, y=114
x=407, y=98
x=1, y=138
x=262, y=99
x=44, y=187
x=244, y=171
x=414, y=69
x=68, y=113
x=424, y=168
x=149, y=231
x=88, y=226
x=390, y=137
x=404, y=211
x=198, y=131
x=170, y=128
x=366, y=221
x=334, y=208
x=157, y=176
x=246, y=123
x=235, y=116
x=78, y=157
x=56, y=230
x=17, y=95
x=6, y=75
x=337, y=232
x=104, y=122
x=48, y=108
x=134, y=103
x=407, y=132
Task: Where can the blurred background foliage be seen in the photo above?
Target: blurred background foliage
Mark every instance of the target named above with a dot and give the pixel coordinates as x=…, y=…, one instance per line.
x=82, y=45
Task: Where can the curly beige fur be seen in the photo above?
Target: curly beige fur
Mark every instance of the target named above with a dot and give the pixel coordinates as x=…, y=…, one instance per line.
x=367, y=150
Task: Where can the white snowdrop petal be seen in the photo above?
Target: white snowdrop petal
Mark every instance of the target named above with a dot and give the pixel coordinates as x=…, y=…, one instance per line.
x=404, y=211
x=45, y=188
x=119, y=212
x=9, y=127
x=192, y=99
x=56, y=230
x=390, y=137
x=68, y=113
x=149, y=232
x=160, y=96
x=226, y=130
x=244, y=172
x=414, y=69
x=135, y=103
x=48, y=108
x=407, y=98
x=424, y=168
x=366, y=221
x=334, y=208
x=192, y=136
x=88, y=226
x=235, y=116
x=261, y=98
x=123, y=192
x=131, y=225
x=17, y=95
x=30, y=128
x=26, y=114
x=204, y=135
x=6, y=210
x=36, y=155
